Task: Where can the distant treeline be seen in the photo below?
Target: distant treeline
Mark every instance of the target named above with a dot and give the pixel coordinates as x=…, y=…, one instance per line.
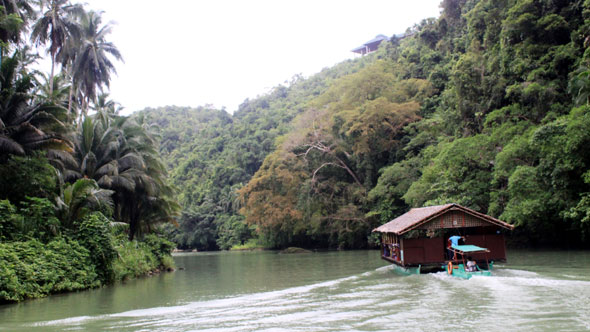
x=486, y=106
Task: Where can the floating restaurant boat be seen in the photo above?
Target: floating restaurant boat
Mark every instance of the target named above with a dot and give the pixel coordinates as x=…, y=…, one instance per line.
x=416, y=242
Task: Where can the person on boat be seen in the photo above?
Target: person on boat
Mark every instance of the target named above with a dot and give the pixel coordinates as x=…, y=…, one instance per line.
x=471, y=265
x=395, y=250
x=453, y=241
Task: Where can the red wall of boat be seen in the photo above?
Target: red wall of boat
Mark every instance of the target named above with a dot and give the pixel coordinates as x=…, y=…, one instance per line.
x=425, y=251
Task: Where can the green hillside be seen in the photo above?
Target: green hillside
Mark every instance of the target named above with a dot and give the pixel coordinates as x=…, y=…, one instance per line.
x=212, y=154
x=486, y=106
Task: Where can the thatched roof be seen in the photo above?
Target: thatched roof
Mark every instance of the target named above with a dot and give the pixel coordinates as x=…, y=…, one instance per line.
x=419, y=216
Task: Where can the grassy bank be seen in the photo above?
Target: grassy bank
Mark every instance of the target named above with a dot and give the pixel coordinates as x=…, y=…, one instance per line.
x=252, y=244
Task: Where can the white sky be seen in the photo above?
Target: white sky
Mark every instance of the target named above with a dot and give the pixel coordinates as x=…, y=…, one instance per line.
x=220, y=52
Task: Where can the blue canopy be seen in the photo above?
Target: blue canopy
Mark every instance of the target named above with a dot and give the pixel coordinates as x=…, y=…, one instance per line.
x=468, y=248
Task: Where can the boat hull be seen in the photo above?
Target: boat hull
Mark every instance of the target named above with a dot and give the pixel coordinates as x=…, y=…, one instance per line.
x=406, y=270
x=459, y=271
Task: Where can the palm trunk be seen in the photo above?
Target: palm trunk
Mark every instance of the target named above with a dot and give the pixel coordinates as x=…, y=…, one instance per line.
x=83, y=110
x=134, y=223
x=71, y=95
x=51, y=76
x=52, y=49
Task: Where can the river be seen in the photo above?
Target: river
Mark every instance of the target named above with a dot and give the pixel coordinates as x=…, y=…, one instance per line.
x=324, y=291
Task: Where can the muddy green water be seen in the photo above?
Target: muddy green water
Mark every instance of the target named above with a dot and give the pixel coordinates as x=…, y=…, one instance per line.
x=327, y=291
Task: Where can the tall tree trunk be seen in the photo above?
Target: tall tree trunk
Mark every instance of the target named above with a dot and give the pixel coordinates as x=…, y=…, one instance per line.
x=71, y=94
x=134, y=222
x=51, y=76
x=84, y=109
x=52, y=50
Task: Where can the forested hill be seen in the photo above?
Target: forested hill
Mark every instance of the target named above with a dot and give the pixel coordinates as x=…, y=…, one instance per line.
x=486, y=106
x=211, y=154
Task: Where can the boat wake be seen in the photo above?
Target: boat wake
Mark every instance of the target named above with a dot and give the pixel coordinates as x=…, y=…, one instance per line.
x=376, y=300
x=218, y=311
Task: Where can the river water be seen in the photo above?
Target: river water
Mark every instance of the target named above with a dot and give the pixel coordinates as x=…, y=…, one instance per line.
x=324, y=291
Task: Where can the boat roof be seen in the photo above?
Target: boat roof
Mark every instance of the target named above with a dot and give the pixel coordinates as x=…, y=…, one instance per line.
x=417, y=217
x=465, y=248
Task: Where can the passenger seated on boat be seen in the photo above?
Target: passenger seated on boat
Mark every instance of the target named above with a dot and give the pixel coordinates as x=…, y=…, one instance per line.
x=394, y=251
x=471, y=265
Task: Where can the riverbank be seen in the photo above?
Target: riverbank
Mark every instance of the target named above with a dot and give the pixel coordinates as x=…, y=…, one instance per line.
x=32, y=269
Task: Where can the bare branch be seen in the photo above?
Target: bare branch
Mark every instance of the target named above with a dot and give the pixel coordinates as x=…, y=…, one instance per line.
x=317, y=170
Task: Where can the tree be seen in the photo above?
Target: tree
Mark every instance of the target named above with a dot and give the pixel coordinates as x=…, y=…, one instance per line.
x=579, y=86
x=25, y=127
x=106, y=108
x=82, y=198
x=56, y=25
x=121, y=157
x=56, y=94
x=92, y=68
x=14, y=19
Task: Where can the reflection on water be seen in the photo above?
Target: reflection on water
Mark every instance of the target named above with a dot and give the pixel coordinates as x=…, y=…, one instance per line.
x=328, y=291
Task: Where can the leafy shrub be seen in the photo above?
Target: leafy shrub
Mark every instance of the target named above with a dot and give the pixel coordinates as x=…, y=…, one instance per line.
x=135, y=259
x=160, y=247
x=34, y=219
x=138, y=258
x=31, y=269
x=9, y=221
x=33, y=174
x=39, y=219
x=167, y=263
x=94, y=234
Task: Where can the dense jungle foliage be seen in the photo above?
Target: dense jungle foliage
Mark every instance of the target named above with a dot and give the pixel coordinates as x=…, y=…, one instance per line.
x=486, y=106
x=76, y=190
x=211, y=154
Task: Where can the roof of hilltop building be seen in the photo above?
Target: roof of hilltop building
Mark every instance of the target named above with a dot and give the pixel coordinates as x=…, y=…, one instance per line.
x=432, y=217
x=370, y=46
x=373, y=44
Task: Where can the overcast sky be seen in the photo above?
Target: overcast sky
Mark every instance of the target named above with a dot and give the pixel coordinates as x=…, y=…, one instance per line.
x=220, y=52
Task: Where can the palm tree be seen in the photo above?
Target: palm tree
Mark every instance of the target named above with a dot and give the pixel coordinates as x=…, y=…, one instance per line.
x=92, y=67
x=56, y=25
x=106, y=109
x=10, y=25
x=21, y=8
x=14, y=18
x=81, y=198
x=151, y=201
x=101, y=154
x=24, y=126
x=121, y=157
x=67, y=56
x=56, y=94
x=27, y=56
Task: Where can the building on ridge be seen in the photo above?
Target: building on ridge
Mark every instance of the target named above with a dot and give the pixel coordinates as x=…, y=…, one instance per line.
x=370, y=46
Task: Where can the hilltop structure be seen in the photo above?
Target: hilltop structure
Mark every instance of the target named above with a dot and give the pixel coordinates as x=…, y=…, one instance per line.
x=370, y=46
